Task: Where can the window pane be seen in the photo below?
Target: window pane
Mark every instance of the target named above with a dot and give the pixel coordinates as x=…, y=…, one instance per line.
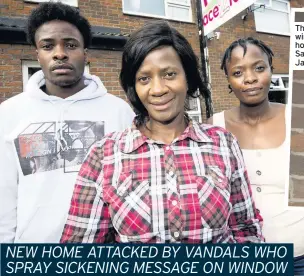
x=271, y=21
x=280, y=6
x=278, y=96
x=196, y=118
x=155, y=7
x=178, y=12
x=180, y=2
x=279, y=90
x=285, y=81
x=32, y=71
x=68, y=2
x=193, y=104
x=276, y=83
x=265, y=2
x=279, y=83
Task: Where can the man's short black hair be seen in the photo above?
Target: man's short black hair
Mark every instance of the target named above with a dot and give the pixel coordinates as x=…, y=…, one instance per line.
x=147, y=39
x=50, y=11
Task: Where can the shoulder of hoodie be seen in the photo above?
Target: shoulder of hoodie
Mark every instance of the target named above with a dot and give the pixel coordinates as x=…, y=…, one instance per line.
x=20, y=99
x=116, y=100
x=12, y=103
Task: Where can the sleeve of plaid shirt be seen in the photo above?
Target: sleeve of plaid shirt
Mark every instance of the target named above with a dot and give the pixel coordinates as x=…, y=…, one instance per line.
x=89, y=219
x=245, y=222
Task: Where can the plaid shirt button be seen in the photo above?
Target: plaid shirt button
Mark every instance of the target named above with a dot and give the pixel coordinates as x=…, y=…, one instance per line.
x=174, y=202
x=167, y=148
x=171, y=173
x=176, y=234
x=258, y=172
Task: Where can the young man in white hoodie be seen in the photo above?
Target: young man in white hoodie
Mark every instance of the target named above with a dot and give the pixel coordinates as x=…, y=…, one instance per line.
x=46, y=131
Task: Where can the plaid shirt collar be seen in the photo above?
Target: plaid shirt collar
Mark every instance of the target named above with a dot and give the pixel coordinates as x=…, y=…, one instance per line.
x=132, y=138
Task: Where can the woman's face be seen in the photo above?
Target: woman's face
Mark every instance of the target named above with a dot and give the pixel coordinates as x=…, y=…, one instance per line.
x=161, y=85
x=249, y=76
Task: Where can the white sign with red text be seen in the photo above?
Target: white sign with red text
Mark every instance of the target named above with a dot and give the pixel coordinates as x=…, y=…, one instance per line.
x=217, y=12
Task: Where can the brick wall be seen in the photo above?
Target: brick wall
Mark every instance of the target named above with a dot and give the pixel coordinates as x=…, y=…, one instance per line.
x=109, y=13
x=15, y=8
x=232, y=30
x=297, y=3
x=10, y=68
x=296, y=191
x=105, y=64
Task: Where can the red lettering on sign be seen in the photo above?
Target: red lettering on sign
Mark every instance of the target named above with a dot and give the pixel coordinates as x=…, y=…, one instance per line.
x=205, y=3
x=211, y=15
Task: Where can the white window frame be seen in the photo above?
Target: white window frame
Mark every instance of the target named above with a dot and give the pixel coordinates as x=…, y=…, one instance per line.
x=73, y=3
x=281, y=86
x=26, y=64
x=269, y=6
x=207, y=63
x=167, y=3
x=197, y=112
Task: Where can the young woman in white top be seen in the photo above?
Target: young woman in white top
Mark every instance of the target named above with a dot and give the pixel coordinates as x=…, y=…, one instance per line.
x=259, y=126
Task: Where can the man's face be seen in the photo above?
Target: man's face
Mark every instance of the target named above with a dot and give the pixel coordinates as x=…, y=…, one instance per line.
x=61, y=53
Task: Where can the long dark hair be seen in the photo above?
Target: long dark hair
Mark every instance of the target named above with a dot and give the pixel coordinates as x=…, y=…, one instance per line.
x=140, y=44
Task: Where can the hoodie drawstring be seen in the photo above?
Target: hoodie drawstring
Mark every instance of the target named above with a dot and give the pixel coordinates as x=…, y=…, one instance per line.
x=61, y=120
x=59, y=137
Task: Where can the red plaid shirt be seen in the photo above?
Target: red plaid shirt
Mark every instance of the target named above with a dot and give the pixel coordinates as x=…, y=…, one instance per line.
x=133, y=189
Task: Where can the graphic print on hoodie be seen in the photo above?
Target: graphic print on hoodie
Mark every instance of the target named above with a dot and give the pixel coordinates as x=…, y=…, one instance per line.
x=43, y=140
x=41, y=148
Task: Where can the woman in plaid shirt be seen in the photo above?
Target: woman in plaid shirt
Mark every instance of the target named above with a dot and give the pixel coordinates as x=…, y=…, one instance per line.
x=167, y=178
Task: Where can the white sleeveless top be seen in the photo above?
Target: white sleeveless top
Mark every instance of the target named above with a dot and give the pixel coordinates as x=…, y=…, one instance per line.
x=266, y=170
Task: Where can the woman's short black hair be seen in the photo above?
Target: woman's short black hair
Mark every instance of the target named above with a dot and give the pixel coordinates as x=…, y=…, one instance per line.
x=50, y=11
x=243, y=42
x=147, y=39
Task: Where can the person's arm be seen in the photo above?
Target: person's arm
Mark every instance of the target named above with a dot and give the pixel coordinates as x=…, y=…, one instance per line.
x=89, y=219
x=245, y=222
x=8, y=186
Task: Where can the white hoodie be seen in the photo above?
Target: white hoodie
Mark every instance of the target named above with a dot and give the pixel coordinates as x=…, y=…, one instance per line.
x=43, y=140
